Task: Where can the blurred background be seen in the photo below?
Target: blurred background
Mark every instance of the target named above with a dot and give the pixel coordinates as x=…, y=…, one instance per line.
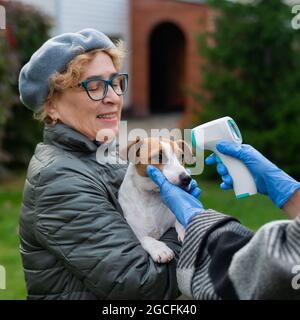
x=189, y=61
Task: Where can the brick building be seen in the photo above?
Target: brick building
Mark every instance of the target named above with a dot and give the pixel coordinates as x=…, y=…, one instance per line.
x=165, y=63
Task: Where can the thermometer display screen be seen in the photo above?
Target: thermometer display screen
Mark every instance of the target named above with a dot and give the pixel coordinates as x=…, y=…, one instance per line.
x=234, y=130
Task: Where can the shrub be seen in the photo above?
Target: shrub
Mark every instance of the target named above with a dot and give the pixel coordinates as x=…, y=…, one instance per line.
x=252, y=73
x=26, y=30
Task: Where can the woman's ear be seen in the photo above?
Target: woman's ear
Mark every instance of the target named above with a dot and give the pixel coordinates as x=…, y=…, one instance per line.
x=51, y=110
x=131, y=153
x=187, y=152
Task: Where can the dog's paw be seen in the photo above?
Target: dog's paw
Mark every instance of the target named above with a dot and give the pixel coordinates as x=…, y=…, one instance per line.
x=162, y=254
x=180, y=231
x=181, y=236
x=158, y=250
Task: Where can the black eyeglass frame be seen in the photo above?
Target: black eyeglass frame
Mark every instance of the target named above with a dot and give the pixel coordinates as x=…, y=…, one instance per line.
x=84, y=84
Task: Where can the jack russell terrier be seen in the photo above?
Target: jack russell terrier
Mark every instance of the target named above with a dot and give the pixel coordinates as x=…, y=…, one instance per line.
x=147, y=215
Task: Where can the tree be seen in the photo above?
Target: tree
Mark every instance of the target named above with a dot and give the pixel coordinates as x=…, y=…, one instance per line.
x=252, y=73
x=26, y=30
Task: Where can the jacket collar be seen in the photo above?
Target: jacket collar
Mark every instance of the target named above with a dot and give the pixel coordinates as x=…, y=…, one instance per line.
x=67, y=138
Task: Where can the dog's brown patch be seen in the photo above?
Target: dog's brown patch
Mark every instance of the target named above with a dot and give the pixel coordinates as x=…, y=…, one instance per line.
x=151, y=152
x=143, y=152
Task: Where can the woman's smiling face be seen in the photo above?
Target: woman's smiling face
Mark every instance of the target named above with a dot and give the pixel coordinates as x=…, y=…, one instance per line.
x=75, y=109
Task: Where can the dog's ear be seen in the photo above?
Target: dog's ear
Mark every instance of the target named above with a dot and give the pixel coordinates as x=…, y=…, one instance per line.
x=187, y=152
x=132, y=152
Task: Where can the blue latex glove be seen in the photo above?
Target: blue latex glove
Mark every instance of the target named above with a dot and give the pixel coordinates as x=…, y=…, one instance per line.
x=269, y=179
x=183, y=204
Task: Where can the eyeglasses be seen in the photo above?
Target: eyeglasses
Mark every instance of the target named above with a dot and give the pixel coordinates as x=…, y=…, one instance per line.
x=97, y=88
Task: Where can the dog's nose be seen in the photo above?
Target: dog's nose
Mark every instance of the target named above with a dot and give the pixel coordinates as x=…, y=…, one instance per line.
x=184, y=179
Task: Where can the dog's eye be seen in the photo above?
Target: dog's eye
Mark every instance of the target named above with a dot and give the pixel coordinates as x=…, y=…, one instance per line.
x=182, y=157
x=160, y=157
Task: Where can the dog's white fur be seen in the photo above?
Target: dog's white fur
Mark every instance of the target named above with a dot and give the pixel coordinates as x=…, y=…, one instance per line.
x=144, y=211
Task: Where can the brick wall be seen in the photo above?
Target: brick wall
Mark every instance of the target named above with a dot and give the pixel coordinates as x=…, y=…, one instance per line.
x=145, y=16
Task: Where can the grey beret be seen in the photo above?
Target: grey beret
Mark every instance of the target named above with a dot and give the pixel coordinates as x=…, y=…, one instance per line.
x=53, y=56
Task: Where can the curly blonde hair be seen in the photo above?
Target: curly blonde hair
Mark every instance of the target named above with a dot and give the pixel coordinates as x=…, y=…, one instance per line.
x=70, y=77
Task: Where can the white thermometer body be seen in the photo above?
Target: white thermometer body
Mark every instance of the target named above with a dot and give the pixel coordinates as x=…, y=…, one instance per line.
x=207, y=135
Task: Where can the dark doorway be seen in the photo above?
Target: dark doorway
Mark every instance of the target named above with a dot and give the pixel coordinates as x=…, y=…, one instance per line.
x=167, y=60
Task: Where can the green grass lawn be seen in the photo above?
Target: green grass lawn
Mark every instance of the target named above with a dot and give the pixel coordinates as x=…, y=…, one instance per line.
x=10, y=200
x=252, y=212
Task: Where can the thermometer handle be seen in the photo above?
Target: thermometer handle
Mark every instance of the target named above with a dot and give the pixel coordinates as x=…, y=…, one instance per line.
x=243, y=181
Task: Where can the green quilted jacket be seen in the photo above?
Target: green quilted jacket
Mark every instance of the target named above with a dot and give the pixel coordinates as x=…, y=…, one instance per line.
x=75, y=242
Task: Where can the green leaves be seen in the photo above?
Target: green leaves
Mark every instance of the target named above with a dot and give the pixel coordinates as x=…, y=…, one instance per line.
x=26, y=30
x=253, y=75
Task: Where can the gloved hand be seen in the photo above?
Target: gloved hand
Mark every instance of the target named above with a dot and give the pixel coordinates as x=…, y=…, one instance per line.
x=183, y=204
x=269, y=179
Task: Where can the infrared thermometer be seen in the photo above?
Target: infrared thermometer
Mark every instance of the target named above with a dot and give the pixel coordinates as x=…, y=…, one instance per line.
x=207, y=135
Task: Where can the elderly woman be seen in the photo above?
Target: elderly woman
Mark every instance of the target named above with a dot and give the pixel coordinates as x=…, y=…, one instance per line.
x=75, y=242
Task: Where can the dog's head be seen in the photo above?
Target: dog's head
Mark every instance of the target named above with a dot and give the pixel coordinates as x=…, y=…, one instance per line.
x=167, y=155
